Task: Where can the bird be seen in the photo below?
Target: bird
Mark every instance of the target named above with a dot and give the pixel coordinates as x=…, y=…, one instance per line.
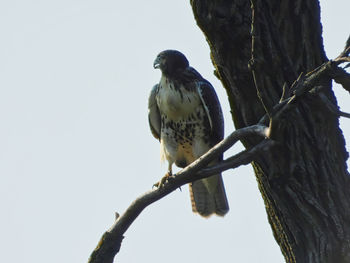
x=185, y=115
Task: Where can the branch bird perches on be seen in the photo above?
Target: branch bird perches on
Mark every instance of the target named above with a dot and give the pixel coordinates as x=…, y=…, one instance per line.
x=110, y=242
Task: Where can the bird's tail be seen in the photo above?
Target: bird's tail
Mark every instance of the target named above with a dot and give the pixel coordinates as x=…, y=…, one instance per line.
x=208, y=196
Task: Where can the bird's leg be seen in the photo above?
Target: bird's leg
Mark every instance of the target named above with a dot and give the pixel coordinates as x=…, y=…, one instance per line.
x=166, y=177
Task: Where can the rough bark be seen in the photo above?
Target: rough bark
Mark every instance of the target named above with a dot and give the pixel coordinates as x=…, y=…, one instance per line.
x=304, y=183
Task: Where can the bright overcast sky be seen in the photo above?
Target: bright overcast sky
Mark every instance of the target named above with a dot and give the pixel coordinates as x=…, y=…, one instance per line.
x=75, y=145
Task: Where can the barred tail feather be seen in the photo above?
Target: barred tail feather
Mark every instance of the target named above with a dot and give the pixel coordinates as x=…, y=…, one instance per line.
x=208, y=196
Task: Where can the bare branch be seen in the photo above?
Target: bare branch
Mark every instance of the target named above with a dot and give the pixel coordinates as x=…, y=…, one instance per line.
x=332, y=108
x=310, y=83
x=110, y=242
x=253, y=62
x=242, y=158
x=342, y=77
x=284, y=92
x=346, y=50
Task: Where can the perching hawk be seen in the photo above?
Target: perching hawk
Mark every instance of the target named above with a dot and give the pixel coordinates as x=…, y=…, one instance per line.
x=185, y=115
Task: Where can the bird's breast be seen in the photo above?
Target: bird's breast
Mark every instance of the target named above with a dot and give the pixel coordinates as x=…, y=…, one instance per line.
x=177, y=102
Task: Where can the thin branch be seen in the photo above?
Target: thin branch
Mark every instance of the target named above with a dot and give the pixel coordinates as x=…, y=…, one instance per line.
x=333, y=108
x=284, y=92
x=346, y=50
x=110, y=242
x=243, y=158
x=307, y=83
x=253, y=61
x=342, y=77
x=344, y=114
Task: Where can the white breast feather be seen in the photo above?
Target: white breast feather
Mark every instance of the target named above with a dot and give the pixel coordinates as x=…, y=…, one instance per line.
x=174, y=105
x=178, y=106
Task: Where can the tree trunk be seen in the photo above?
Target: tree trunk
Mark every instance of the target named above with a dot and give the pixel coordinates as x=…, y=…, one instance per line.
x=304, y=183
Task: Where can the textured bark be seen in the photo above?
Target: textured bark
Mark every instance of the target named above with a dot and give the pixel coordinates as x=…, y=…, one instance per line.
x=304, y=183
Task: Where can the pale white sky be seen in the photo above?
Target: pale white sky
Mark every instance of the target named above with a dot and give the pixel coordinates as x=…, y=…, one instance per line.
x=75, y=145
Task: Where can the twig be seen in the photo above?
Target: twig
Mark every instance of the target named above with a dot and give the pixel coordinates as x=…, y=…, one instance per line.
x=346, y=50
x=242, y=158
x=342, y=77
x=306, y=84
x=284, y=92
x=253, y=61
x=110, y=242
x=332, y=108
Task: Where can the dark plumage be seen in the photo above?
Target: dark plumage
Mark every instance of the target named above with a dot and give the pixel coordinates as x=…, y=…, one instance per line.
x=185, y=115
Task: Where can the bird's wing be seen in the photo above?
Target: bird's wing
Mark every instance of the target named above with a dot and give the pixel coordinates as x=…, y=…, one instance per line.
x=208, y=195
x=153, y=113
x=212, y=108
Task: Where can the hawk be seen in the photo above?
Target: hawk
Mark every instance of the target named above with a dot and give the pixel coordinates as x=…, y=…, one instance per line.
x=186, y=117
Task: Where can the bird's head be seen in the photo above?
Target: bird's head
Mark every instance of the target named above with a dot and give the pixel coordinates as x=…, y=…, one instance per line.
x=170, y=61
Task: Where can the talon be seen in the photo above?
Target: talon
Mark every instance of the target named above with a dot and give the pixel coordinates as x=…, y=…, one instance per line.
x=162, y=181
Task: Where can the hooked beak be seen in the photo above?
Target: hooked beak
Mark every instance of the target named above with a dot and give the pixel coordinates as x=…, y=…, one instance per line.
x=156, y=63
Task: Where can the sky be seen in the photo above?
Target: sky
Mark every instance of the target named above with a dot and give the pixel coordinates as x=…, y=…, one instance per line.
x=75, y=145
